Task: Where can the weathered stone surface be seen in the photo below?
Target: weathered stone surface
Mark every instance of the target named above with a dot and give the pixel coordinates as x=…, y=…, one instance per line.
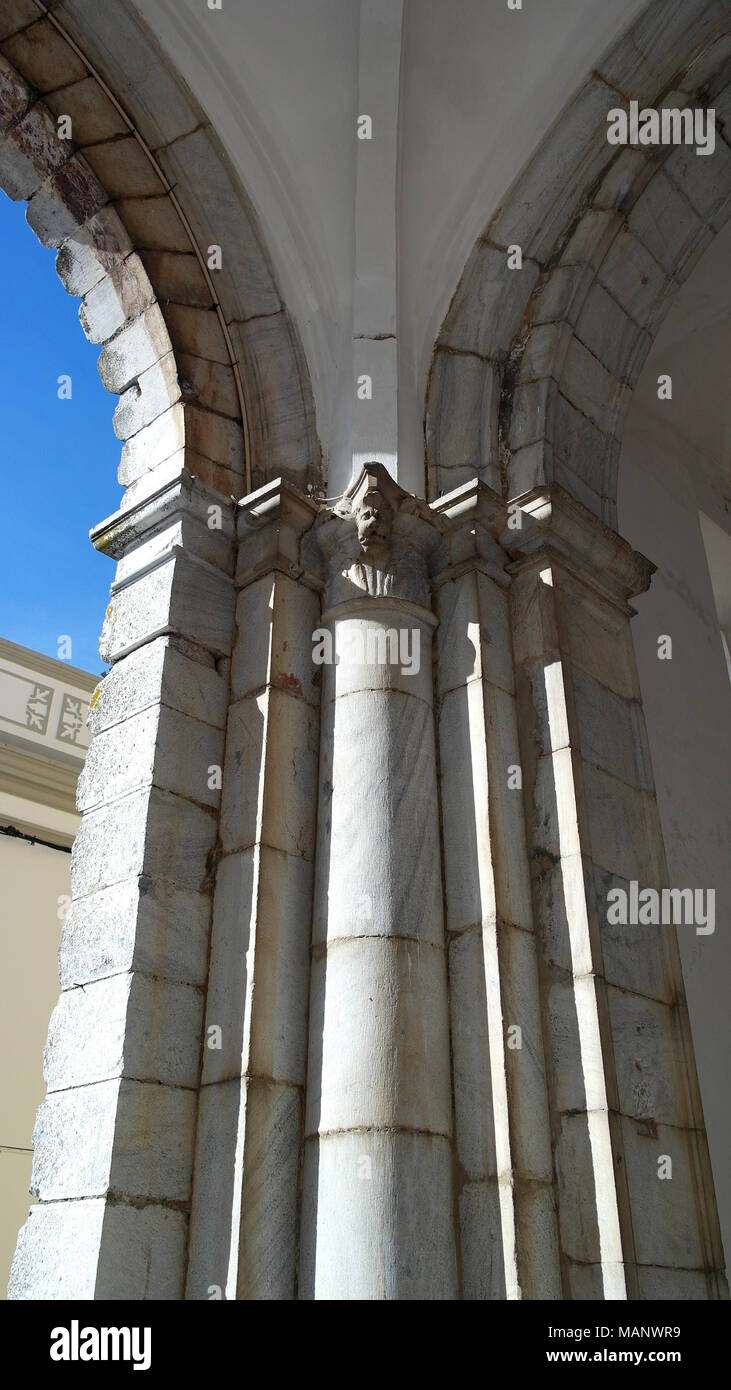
x=124, y=169
x=97, y=1250
x=461, y=434
x=65, y=203
x=275, y=620
x=258, y=985
x=139, y=924
x=149, y=396
x=135, y=349
x=632, y=276
x=181, y=595
x=128, y=1025
x=381, y=1055
x=44, y=57
x=93, y=116
x=159, y=671
x=159, y=747
x=159, y=441
x=113, y=845
x=664, y=221
x=280, y=814
x=142, y=1145
x=387, y=1231
x=31, y=147
x=123, y=294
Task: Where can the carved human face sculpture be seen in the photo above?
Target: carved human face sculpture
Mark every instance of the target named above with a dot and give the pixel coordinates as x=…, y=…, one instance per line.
x=374, y=518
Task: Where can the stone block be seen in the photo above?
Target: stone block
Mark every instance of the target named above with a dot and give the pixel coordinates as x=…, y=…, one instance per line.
x=181, y=595
x=530, y=1141
x=65, y=203
x=218, y=438
x=611, y=336
x=31, y=147
x=160, y=747
x=278, y=810
x=275, y=620
x=473, y=1110
x=90, y=251
x=666, y=224
x=259, y=973
x=481, y=1242
x=598, y=638
x=588, y=243
x=377, y=1219
x=124, y=293
x=128, y=1025
x=153, y=223
x=664, y=1217
x=590, y=387
x=194, y=165
x=123, y=168
x=146, y=83
x=650, y=1059
x=543, y=351
x=568, y=161
x=635, y=956
x=474, y=633
x=381, y=741
x=211, y=384
x=623, y=827
x=93, y=116
x=197, y=331
x=489, y=304
x=149, y=396
x=577, y=1061
x=15, y=96
x=576, y=1191
x=140, y=924
x=704, y=180
x=528, y=418
x=100, y=1250
x=379, y=1038
x=462, y=429
x=611, y=732
x=270, y=1194
x=632, y=276
x=396, y=652
x=647, y=55
x=162, y=439
x=114, y=844
x=159, y=672
x=679, y=1285
x=283, y=423
x=134, y=350
x=43, y=56
x=16, y=16
x=539, y=1262
x=126, y=1138
x=177, y=277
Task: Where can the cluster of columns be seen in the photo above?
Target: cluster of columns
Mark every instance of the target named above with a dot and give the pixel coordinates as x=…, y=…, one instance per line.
x=343, y=1014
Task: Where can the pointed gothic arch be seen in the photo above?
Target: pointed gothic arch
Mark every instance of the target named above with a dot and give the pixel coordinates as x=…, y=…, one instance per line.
x=533, y=368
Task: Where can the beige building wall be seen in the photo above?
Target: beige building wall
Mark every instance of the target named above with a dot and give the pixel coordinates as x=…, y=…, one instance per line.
x=43, y=742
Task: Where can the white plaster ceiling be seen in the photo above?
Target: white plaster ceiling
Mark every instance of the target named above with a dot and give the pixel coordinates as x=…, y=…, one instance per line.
x=479, y=86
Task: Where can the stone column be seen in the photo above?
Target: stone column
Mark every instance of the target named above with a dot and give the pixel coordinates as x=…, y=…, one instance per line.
x=377, y=1217
x=114, y=1137
x=507, y=1222
x=247, y=1175
x=623, y=1091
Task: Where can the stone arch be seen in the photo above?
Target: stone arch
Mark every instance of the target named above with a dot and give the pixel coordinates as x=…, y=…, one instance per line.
x=206, y=361
x=533, y=368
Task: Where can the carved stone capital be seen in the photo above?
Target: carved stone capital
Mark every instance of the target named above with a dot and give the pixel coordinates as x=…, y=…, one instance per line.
x=376, y=541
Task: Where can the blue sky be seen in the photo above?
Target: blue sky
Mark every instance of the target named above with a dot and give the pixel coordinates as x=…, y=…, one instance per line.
x=59, y=457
